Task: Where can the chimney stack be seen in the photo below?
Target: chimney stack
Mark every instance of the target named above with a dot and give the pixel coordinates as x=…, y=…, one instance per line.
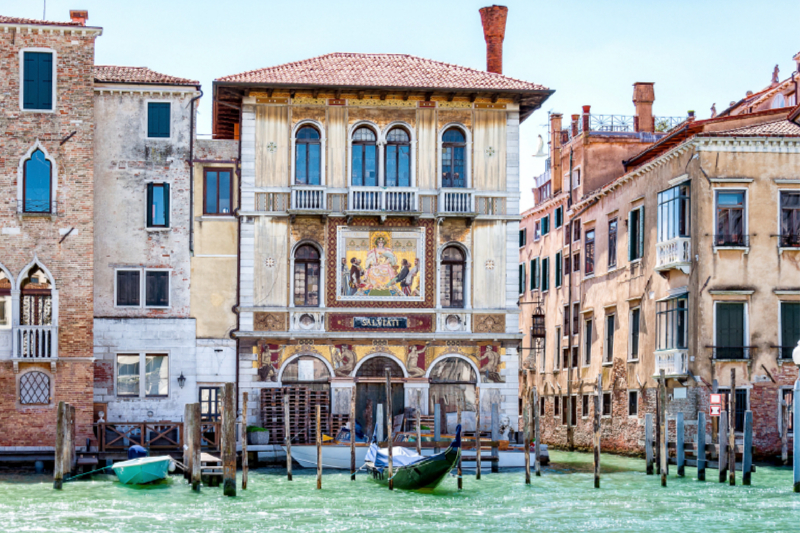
x=494, y=31
x=643, y=98
x=585, y=117
x=79, y=15
x=555, y=152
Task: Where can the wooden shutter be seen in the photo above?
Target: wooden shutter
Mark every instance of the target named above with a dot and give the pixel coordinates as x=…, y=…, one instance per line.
x=521, y=278
x=157, y=289
x=631, y=235
x=128, y=287
x=533, y=274
x=730, y=325
x=546, y=273
x=790, y=327
x=640, y=233
x=149, y=206
x=166, y=205
x=558, y=269
x=45, y=81
x=37, y=85
x=158, y=119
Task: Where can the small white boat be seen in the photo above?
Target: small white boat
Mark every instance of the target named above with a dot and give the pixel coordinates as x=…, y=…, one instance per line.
x=338, y=456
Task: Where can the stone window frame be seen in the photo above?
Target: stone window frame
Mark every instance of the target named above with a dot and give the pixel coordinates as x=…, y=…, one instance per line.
x=142, y=369
x=382, y=143
x=322, y=273
x=168, y=227
x=50, y=375
x=467, y=275
x=467, y=154
x=143, y=287
x=610, y=396
x=146, y=118
x=22, y=77
x=37, y=145
x=637, y=358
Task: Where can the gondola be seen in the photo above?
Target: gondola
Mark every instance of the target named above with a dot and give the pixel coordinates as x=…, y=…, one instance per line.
x=411, y=471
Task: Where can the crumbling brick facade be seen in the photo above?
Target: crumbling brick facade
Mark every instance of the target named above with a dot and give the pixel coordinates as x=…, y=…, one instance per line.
x=61, y=243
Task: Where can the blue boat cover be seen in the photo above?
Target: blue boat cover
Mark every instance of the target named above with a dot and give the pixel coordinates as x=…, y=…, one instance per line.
x=136, y=451
x=400, y=456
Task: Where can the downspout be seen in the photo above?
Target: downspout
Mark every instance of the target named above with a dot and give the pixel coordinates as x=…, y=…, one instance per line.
x=238, y=169
x=191, y=170
x=569, y=311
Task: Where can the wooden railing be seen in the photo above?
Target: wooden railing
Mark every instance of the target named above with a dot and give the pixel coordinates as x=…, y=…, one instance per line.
x=163, y=436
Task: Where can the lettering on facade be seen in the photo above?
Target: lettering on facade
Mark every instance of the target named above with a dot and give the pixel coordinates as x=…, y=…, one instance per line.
x=380, y=322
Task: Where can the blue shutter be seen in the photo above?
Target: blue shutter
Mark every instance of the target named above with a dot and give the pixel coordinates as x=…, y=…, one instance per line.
x=45, y=81
x=158, y=119
x=166, y=205
x=149, y=205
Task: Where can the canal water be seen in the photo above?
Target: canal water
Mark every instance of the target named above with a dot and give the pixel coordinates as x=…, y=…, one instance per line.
x=562, y=500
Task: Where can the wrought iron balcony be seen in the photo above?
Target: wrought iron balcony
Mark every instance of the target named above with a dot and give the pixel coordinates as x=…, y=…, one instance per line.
x=732, y=352
x=674, y=363
x=674, y=253
x=31, y=344
x=456, y=201
x=731, y=240
x=383, y=199
x=308, y=198
x=789, y=241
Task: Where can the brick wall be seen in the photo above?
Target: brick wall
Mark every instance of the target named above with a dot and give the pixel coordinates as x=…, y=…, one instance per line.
x=23, y=238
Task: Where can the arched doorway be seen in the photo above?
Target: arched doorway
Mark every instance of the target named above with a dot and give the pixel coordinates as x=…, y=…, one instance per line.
x=452, y=379
x=371, y=391
x=307, y=371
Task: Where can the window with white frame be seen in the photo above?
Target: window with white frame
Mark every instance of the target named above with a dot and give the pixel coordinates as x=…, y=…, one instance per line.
x=38, y=80
x=131, y=292
x=731, y=220
x=5, y=301
x=636, y=234
x=158, y=120
x=790, y=219
x=672, y=323
x=142, y=375
x=674, y=213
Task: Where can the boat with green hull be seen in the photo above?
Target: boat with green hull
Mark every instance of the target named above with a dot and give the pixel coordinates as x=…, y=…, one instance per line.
x=142, y=470
x=411, y=471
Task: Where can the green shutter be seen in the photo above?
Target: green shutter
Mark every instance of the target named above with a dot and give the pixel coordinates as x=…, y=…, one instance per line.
x=730, y=325
x=558, y=269
x=166, y=205
x=37, y=84
x=558, y=217
x=546, y=225
x=533, y=274
x=158, y=119
x=631, y=235
x=790, y=327
x=522, y=278
x=149, y=205
x=640, y=228
x=546, y=274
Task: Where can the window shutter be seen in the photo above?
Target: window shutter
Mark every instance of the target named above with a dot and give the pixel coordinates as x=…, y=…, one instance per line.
x=640, y=229
x=558, y=269
x=30, y=89
x=521, y=278
x=45, y=81
x=166, y=205
x=730, y=325
x=163, y=120
x=790, y=326
x=631, y=236
x=149, y=207
x=533, y=274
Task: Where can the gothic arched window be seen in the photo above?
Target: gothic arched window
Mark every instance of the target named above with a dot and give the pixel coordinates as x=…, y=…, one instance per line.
x=306, y=276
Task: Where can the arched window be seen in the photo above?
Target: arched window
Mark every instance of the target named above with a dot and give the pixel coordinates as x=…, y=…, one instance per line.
x=5, y=300
x=306, y=276
x=398, y=158
x=34, y=388
x=307, y=156
x=307, y=371
x=375, y=367
x=37, y=299
x=36, y=188
x=451, y=286
x=454, y=148
x=453, y=379
x=365, y=158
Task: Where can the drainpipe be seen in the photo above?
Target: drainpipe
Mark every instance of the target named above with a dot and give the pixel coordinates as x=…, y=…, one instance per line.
x=569, y=310
x=238, y=169
x=191, y=170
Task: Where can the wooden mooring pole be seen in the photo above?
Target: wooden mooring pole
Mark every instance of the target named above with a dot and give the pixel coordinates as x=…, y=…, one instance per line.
x=537, y=463
x=71, y=455
x=245, y=461
x=680, y=456
x=458, y=423
x=784, y=432
x=723, y=446
x=196, y=448
x=389, y=424
x=319, y=446
x=526, y=432
x=747, y=453
x=287, y=434
x=61, y=428
x=437, y=426
x=419, y=422
x=648, y=442
x=700, y=449
x=732, y=431
x=495, y=435
x=187, y=443
x=229, y=441
x=353, y=433
x=796, y=425
x=477, y=432
x=662, y=423
x=598, y=403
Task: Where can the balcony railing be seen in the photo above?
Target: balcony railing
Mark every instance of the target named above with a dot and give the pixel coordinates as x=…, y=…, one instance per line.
x=674, y=253
x=731, y=240
x=785, y=352
x=672, y=362
x=394, y=199
x=732, y=352
x=456, y=201
x=35, y=343
x=308, y=198
x=789, y=241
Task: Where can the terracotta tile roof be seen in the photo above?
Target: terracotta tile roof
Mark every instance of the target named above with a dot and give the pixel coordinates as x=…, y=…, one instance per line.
x=777, y=128
x=17, y=20
x=137, y=75
x=380, y=70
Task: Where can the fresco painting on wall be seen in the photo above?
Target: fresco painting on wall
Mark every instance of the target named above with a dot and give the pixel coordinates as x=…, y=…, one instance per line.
x=381, y=265
x=344, y=360
x=415, y=361
x=490, y=364
x=270, y=361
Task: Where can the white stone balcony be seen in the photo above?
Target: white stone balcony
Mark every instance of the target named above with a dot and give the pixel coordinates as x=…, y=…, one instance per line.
x=674, y=253
x=456, y=201
x=675, y=363
x=383, y=199
x=33, y=344
x=308, y=198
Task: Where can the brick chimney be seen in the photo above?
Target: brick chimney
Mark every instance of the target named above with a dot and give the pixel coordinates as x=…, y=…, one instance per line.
x=643, y=98
x=79, y=15
x=555, y=152
x=585, y=117
x=494, y=31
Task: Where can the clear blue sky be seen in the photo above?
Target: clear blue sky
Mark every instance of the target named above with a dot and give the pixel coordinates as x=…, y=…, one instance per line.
x=590, y=52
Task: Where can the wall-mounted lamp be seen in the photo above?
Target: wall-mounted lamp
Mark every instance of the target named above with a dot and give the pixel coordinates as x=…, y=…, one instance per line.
x=181, y=380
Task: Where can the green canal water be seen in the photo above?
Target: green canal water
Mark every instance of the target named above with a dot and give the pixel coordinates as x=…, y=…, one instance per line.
x=563, y=499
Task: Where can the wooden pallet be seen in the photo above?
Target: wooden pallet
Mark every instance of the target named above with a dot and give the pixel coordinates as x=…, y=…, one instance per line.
x=302, y=413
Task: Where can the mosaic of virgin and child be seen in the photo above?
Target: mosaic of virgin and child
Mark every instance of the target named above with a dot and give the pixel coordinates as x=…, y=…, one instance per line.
x=380, y=273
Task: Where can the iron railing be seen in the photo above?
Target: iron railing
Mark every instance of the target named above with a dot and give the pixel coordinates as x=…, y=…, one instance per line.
x=37, y=207
x=611, y=123
x=732, y=352
x=785, y=352
x=731, y=239
x=664, y=124
x=789, y=241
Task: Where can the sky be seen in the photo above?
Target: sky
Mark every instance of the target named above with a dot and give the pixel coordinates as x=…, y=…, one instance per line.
x=697, y=52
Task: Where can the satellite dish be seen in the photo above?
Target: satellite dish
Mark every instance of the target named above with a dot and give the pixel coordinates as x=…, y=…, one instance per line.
x=540, y=148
